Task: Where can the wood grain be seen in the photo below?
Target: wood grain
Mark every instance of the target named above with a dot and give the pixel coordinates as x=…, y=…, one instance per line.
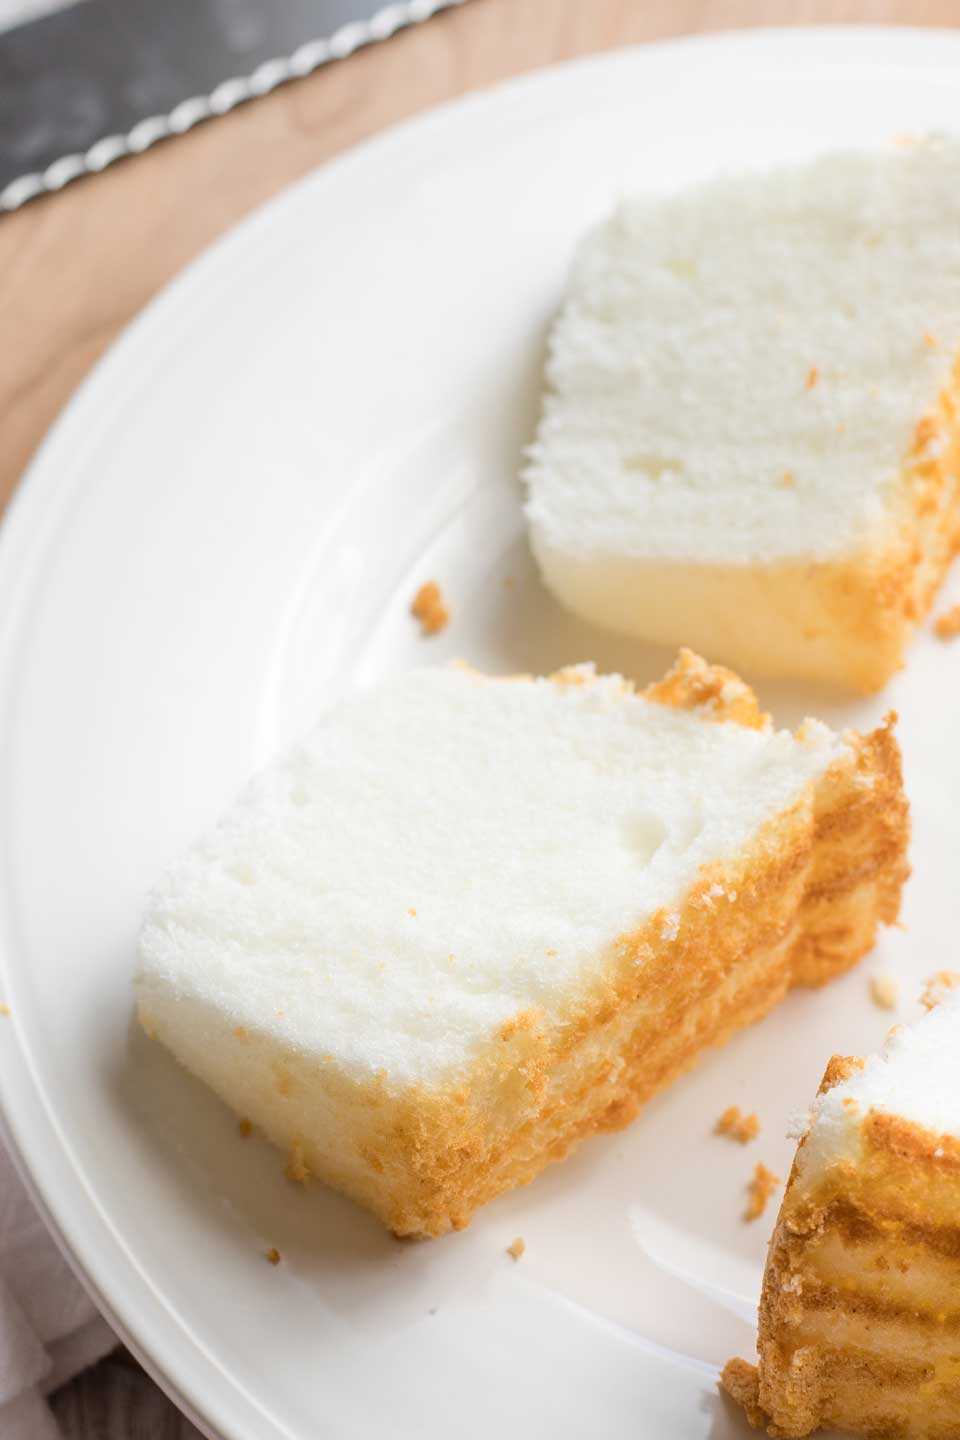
x=76, y=267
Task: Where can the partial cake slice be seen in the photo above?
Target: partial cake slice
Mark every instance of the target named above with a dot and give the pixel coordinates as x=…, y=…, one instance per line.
x=750, y=438
x=860, y=1315
x=468, y=922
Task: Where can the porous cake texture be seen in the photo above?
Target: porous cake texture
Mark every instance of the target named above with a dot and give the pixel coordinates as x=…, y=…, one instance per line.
x=469, y=921
x=750, y=439
x=860, y=1315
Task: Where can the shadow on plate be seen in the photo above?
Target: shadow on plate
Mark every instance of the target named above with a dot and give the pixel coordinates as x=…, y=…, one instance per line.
x=235, y=1189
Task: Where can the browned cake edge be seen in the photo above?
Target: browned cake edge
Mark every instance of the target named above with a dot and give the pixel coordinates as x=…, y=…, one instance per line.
x=872, y=604
x=860, y=1311
x=800, y=904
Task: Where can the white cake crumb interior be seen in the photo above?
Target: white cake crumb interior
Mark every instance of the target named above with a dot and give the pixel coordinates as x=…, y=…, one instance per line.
x=448, y=851
x=916, y=1075
x=739, y=369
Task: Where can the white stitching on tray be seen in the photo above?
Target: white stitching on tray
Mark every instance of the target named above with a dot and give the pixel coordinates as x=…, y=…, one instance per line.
x=266, y=77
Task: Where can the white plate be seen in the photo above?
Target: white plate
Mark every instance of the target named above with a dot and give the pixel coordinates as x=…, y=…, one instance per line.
x=223, y=531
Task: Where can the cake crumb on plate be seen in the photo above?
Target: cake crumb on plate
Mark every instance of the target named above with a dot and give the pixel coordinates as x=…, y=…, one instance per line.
x=430, y=608
x=884, y=992
x=273, y=1255
x=761, y=1187
x=737, y=1125
x=297, y=1169
x=947, y=625
x=517, y=1248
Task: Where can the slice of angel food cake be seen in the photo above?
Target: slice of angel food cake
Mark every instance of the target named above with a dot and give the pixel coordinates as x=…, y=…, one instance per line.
x=468, y=922
x=860, y=1313
x=750, y=438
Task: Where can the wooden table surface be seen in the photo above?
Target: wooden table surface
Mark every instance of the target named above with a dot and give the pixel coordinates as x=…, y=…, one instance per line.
x=77, y=266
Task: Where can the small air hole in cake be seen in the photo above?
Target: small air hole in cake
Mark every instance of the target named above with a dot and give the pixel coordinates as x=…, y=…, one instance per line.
x=468, y=922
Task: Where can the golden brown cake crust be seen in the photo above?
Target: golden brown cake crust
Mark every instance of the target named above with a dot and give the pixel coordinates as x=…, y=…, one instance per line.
x=860, y=1311
x=883, y=595
x=742, y=1383
x=800, y=908
x=692, y=684
x=799, y=905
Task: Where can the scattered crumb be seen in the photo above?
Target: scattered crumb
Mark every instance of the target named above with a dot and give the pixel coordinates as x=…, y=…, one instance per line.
x=761, y=1187
x=947, y=625
x=931, y=341
x=851, y=1104
x=517, y=1248
x=245, y=1128
x=297, y=1169
x=241, y=1032
x=551, y=953
x=936, y=986
x=280, y=1012
x=273, y=1255
x=411, y=911
x=884, y=992
x=813, y=375
x=5, y=1010
x=788, y=479
x=429, y=608
x=737, y=1125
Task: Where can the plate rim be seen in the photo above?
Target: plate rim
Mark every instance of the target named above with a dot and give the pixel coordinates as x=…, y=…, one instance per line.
x=210, y=1396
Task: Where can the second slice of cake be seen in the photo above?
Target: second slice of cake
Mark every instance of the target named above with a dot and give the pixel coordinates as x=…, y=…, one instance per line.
x=750, y=439
x=467, y=922
x=860, y=1315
